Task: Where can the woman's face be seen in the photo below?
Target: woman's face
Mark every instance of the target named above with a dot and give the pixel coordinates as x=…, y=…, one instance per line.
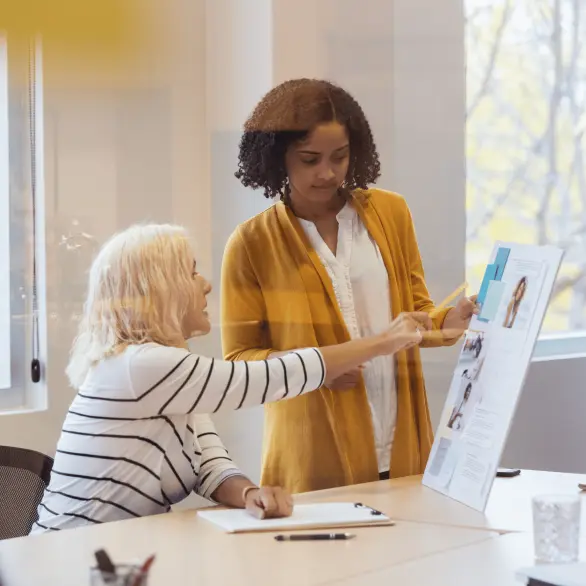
x=197, y=320
x=317, y=166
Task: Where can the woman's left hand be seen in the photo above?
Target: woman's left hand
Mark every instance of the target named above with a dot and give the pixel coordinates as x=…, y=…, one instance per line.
x=466, y=308
x=458, y=318
x=269, y=502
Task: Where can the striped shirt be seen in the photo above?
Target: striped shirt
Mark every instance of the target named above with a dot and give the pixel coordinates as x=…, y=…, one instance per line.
x=136, y=438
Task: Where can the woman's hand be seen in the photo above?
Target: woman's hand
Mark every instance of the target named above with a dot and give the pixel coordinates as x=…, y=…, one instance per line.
x=349, y=380
x=458, y=318
x=406, y=331
x=466, y=308
x=269, y=502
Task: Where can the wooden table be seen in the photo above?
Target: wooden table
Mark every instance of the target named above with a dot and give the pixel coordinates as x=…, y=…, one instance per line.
x=508, y=509
x=193, y=551
x=489, y=563
x=432, y=540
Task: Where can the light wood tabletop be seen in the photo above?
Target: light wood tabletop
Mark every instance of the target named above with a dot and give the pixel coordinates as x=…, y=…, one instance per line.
x=435, y=539
x=489, y=563
x=508, y=509
x=190, y=550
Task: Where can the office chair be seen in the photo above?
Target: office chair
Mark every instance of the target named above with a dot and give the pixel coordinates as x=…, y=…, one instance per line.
x=24, y=474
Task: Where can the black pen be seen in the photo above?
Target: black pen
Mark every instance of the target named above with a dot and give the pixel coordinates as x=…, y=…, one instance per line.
x=314, y=536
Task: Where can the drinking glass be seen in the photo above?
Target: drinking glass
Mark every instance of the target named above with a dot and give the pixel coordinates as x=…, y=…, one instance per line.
x=556, y=528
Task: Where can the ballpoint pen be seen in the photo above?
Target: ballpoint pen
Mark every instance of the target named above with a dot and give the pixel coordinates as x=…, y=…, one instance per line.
x=315, y=537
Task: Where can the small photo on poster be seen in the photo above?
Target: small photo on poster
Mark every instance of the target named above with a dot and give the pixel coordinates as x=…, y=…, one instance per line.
x=437, y=462
x=473, y=354
x=524, y=284
x=517, y=307
x=469, y=395
x=443, y=461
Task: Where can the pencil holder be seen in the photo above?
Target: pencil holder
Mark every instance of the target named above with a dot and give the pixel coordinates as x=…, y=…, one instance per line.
x=125, y=575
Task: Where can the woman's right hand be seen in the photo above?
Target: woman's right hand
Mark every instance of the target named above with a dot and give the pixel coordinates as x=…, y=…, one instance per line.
x=406, y=331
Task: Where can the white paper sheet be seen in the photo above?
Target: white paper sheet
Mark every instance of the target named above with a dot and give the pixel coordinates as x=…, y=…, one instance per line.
x=314, y=516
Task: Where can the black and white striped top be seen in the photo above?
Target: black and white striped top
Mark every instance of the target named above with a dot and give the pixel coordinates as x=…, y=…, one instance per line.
x=136, y=438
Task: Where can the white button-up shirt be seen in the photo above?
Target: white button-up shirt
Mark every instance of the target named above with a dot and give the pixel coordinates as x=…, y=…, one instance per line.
x=361, y=285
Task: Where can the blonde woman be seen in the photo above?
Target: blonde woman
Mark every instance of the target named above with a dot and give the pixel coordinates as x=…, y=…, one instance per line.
x=136, y=438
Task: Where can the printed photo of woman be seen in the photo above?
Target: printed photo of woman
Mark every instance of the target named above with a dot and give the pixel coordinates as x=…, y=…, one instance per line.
x=515, y=303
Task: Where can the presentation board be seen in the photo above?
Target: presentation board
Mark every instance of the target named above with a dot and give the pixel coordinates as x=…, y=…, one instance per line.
x=491, y=371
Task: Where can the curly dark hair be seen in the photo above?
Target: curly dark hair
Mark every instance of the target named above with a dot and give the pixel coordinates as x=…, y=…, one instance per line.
x=287, y=114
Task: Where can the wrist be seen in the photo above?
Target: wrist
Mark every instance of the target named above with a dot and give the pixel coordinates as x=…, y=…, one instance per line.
x=379, y=345
x=246, y=492
x=454, y=321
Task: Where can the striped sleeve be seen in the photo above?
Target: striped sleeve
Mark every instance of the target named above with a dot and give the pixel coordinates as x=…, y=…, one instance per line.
x=216, y=466
x=173, y=381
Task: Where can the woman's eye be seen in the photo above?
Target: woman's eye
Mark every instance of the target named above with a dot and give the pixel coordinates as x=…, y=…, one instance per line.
x=309, y=161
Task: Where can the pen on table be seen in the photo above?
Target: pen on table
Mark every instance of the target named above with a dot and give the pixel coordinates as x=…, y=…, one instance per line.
x=315, y=537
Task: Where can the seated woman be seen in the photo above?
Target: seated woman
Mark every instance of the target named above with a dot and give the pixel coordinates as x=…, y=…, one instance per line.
x=136, y=438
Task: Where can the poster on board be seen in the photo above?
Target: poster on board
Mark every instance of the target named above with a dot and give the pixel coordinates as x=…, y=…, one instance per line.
x=491, y=371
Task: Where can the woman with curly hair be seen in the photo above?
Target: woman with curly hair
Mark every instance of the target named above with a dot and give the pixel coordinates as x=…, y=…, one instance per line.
x=333, y=260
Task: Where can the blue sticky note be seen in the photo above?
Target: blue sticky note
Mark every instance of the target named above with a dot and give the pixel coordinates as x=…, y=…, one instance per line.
x=492, y=302
x=489, y=275
x=502, y=256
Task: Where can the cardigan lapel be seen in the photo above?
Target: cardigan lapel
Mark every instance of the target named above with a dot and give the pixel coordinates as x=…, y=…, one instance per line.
x=371, y=219
x=298, y=241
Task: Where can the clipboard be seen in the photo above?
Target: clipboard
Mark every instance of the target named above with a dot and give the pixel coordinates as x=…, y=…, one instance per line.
x=311, y=516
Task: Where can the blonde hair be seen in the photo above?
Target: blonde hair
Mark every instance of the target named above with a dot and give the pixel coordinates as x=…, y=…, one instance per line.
x=140, y=290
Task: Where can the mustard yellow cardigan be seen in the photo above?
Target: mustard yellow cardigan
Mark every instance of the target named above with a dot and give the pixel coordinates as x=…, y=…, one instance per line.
x=276, y=295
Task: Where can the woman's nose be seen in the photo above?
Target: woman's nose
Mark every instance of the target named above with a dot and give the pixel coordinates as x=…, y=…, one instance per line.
x=326, y=173
x=207, y=287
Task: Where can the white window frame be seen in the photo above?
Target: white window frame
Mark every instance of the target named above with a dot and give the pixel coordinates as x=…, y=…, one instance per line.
x=560, y=346
x=20, y=395
x=5, y=315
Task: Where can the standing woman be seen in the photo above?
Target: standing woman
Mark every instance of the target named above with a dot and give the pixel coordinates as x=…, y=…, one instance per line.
x=332, y=261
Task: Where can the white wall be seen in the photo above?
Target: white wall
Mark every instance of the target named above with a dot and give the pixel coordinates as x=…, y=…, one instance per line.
x=548, y=431
x=119, y=149
x=164, y=148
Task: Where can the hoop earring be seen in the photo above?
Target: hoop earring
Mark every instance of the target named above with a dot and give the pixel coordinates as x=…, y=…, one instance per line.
x=286, y=196
x=343, y=191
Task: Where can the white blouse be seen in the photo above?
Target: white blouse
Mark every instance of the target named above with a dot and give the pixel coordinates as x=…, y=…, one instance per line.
x=361, y=285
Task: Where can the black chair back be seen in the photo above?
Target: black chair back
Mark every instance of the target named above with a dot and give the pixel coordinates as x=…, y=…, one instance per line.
x=24, y=474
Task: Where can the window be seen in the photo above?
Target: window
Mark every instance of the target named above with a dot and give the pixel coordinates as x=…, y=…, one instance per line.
x=526, y=124
x=5, y=337
x=21, y=327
